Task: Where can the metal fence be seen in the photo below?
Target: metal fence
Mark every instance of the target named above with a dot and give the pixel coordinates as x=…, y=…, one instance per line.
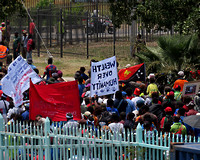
x=26, y=141
x=75, y=23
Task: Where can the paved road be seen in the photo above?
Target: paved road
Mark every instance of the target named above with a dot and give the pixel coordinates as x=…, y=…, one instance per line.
x=68, y=79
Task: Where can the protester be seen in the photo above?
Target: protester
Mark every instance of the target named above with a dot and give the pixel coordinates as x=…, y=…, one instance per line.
x=178, y=127
x=3, y=53
x=30, y=46
x=180, y=81
x=24, y=44
x=50, y=69
x=16, y=45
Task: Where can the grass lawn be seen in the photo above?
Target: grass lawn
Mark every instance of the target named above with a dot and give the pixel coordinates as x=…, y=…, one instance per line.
x=70, y=63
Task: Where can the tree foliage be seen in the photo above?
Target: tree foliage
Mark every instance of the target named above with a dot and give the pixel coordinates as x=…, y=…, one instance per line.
x=10, y=7
x=160, y=13
x=173, y=53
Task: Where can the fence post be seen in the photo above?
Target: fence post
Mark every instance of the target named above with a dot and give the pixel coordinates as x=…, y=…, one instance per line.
x=47, y=138
x=87, y=37
x=1, y=138
x=61, y=34
x=139, y=140
x=50, y=24
x=38, y=38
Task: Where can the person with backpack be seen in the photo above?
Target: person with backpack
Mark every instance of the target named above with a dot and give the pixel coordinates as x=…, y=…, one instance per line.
x=30, y=47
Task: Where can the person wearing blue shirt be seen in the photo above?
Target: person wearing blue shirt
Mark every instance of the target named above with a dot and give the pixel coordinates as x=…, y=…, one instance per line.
x=110, y=107
x=82, y=70
x=81, y=86
x=25, y=115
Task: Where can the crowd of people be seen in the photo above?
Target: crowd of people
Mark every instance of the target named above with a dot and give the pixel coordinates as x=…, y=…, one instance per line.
x=24, y=45
x=135, y=102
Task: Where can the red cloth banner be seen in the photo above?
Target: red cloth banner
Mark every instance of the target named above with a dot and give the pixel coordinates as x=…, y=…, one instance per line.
x=55, y=100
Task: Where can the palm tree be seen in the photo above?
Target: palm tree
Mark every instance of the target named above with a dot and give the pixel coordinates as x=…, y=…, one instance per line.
x=174, y=53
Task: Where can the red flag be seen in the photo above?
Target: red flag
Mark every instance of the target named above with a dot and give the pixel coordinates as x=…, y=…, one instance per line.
x=55, y=100
x=135, y=73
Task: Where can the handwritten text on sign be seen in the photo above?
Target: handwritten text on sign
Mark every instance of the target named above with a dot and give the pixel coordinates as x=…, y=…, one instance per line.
x=104, y=79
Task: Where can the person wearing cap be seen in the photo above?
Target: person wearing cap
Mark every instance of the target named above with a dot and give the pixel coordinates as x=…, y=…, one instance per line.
x=168, y=118
x=177, y=93
x=152, y=87
x=137, y=96
x=180, y=81
x=16, y=45
x=191, y=111
x=29, y=61
x=86, y=115
x=24, y=44
x=70, y=123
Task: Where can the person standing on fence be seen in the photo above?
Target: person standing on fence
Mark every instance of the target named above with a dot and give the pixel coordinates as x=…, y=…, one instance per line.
x=24, y=43
x=29, y=47
x=16, y=45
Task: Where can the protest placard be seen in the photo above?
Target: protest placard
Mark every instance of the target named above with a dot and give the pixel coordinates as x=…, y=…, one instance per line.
x=104, y=78
x=17, y=80
x=55, y=100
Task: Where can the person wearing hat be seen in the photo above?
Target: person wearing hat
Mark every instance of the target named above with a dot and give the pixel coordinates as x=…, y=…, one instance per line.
x=177, y=93
x=29, y=61
x=191, y=111
x=180, y=81
x=16, y=45
x=168, y=119
x=70, y=123
x=137, y=97
x=24, y=44
x=152, y=87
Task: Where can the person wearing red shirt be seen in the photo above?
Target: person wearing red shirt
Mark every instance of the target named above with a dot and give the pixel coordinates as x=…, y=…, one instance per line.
x=50, y=69
x=29, y=47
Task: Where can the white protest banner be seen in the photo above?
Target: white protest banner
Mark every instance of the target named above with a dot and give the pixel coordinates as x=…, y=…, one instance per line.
x=104, y=77
x=17, y=80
